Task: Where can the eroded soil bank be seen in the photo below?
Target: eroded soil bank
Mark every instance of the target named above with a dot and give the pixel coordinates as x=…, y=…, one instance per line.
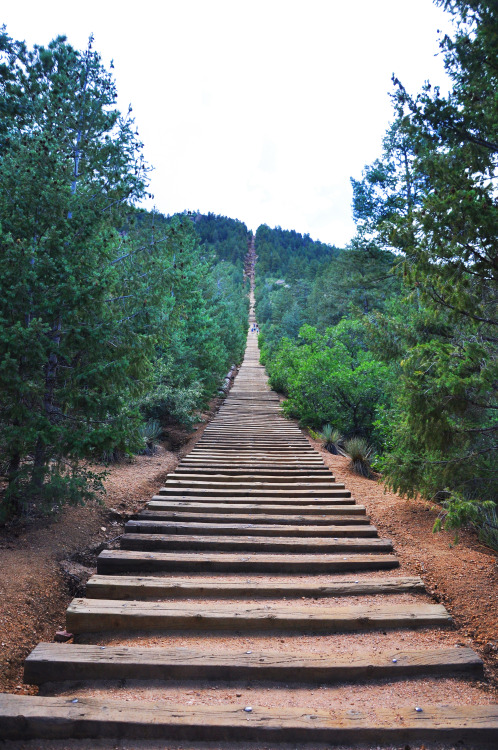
x=43, y=565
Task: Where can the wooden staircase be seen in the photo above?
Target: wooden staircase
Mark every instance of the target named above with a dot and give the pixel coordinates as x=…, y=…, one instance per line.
x=251, y=499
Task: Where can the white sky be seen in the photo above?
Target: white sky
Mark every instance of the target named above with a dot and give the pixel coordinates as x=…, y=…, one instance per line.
x=257, y=110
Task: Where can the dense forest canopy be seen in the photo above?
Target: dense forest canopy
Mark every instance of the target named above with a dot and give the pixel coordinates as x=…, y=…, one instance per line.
x=289, y=253
x=227, y=238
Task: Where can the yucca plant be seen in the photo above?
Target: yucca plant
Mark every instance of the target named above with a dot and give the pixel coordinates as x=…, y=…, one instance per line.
x=359, y=453
x=331, y=439
x=489, y=528
x=149, y=433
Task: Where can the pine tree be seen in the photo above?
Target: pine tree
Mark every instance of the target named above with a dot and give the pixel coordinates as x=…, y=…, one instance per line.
x=73, y=353
x=445, y=429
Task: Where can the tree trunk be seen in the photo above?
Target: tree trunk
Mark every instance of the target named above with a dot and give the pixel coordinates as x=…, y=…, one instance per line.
x=39, y=468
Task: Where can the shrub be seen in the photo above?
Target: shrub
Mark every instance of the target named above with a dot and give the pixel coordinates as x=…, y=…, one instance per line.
x=332, y=439
x=360, y=454
x=149, y=433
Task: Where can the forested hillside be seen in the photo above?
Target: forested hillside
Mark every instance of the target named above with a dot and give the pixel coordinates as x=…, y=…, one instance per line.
x=313, y=341
x=113, y=320
x=394, y=338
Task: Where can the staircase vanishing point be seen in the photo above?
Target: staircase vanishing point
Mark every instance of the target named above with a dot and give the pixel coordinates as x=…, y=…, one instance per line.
x=251, y=499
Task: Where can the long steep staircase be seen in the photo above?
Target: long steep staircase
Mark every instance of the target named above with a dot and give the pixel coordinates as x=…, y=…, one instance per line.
x=251, y=537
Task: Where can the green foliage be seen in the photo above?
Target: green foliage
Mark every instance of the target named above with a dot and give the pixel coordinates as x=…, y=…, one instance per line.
x=458, y=510
x=332, y=439
x=70, y=355
x=290, y=254
x=227, y=238
x=330, y=378
x=360, y=454
x=399, y=338
x=149, y=433
x=102, y=305
x=431, y=198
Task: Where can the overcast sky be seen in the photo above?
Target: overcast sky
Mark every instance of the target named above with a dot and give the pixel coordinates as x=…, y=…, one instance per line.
x=259, y=110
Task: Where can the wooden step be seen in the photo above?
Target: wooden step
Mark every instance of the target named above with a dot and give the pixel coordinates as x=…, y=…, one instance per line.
x=275, y=467
x=237, y=426
x=246, y=529
x=298, y=488
x=151, y=587
x=308, y=497
x=24, y=717
x=220, y=518
x=94, y=615
x=312, y=509
x=261, y=544
x=267, y=443
x=130, y=561
x=264, y=444
x=57, y=662
x=231, y=470
x=254, y=456
x=228, y=480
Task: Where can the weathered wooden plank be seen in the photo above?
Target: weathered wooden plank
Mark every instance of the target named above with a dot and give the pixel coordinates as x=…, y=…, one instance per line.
x=269, y=445
x=279, y=520
x=231, y=470
x=268, y=442
x=298, y=488
x=225, y=463
x=130, y=561
x=260, y=508
x=253, y=454
x=342, y=497
x=151, y=587
x=56, y=662
x=262, y=544
x=296, y=458
x=219, y=479
x=249, y=463
x=24, y=717
x=237, y=426
x=93, y=615
x=247, y=529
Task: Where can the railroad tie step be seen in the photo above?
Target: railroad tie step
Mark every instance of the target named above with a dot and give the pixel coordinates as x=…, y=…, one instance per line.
x=269, y=544
x=24, y=717
x=244, y=518
x=178, y=489
x=131, y=561
x=233, y=483
x=143, y=526
x=224, y=507
x=156, y=587
x=230, y=470
x=56, y=662
x=308, y=498
x=95, y=615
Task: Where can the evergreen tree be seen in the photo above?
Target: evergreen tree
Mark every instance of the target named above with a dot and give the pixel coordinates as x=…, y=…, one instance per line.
x=445, y=426
x=73, y=350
